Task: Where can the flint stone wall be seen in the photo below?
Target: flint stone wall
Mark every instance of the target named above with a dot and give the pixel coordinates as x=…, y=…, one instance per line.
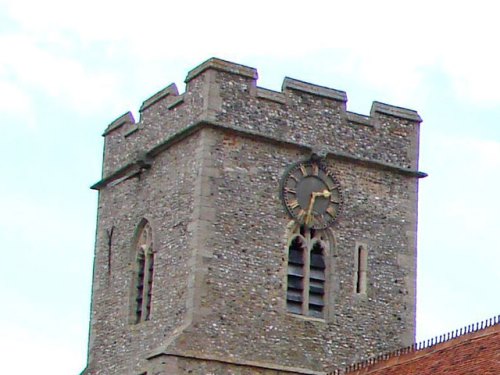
x=204, y=169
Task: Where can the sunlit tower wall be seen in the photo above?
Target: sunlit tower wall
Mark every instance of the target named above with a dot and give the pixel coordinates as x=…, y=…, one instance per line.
x=193, y=247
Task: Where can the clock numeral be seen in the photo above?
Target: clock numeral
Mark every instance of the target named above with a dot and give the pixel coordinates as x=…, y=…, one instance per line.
x=331, y=211
x=334, y=199
x=315, y=171
x=332, y=186
x=303, y=170
x=319, y=221
x=319, y=192
x=300, y=215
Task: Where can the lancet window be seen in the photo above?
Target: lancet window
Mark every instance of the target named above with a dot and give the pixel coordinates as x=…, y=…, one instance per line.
x=142, y=288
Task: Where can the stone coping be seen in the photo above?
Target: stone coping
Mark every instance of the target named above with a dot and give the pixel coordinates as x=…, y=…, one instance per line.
x=326, y=92
x=267, y=94
x=223, y=66
x=393, y=110
x=126, y=118
x=145, y=161
x=169, y=90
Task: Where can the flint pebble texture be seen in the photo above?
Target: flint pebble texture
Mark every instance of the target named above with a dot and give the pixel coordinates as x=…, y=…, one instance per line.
x=204, y=169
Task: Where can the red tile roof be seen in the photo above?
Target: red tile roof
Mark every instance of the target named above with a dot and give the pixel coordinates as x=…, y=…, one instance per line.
x=473, y=350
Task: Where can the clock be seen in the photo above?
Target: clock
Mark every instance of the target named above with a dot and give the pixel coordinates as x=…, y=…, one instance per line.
x=311, y=194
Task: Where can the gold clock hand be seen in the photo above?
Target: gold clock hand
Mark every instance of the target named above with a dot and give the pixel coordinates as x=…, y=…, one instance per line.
x=325, y=194
x=309, y=208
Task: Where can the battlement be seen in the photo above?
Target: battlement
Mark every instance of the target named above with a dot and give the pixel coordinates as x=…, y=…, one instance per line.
x=225, y=95
x=196, y=253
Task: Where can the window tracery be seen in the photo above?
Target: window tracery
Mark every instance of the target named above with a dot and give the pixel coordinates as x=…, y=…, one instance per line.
x=306, y=273
x=143, y=274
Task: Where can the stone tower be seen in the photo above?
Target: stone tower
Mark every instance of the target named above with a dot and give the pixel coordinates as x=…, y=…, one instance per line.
x=247, y=231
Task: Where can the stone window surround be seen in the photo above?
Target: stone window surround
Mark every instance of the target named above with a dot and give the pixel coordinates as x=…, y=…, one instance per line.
x=360, y=281
x=142, y=274
x=309, y=243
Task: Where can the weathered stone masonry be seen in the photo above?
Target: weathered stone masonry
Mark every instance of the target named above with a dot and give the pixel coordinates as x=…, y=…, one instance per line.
x=203, y=167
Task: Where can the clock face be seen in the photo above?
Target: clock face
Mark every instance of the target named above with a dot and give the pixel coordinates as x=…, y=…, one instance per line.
x=311, y=194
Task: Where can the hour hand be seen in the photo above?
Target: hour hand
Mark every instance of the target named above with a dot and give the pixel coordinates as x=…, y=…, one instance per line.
x=325, y=194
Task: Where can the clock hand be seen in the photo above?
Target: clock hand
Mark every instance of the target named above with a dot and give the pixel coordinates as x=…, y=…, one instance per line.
x=325, y=194
x=308, y=219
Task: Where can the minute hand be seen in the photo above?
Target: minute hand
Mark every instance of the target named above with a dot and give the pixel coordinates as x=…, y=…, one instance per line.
x=325, y=194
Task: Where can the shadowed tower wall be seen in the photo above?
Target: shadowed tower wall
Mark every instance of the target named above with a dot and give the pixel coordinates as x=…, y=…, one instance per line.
x=194, y=246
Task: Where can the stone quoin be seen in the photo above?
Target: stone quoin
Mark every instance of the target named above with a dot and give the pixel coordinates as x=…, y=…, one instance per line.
x=199, y=266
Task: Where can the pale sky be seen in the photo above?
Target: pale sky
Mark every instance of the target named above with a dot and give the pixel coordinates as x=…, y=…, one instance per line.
x=67, y=69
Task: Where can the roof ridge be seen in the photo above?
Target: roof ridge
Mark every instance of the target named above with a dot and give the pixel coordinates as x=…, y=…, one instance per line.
x=419, y=345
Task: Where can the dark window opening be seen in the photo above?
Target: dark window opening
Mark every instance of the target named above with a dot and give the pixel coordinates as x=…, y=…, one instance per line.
x=295, y=279
x=143, y=275
x=306, y=274
x=361, y=268
x=316, y=281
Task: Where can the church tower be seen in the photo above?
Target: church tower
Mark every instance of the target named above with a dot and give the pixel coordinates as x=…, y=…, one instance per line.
x=246, y=231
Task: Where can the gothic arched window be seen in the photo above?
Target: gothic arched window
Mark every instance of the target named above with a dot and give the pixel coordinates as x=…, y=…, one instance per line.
x=306, y=273
x=143, y=274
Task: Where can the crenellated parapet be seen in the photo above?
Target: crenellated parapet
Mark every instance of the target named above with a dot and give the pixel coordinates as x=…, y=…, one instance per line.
x=225, y=95
x=206, y=258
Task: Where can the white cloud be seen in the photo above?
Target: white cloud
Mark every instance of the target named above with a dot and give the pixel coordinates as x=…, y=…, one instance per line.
x=30, y=70
x=387, y=44
x=474, y=73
